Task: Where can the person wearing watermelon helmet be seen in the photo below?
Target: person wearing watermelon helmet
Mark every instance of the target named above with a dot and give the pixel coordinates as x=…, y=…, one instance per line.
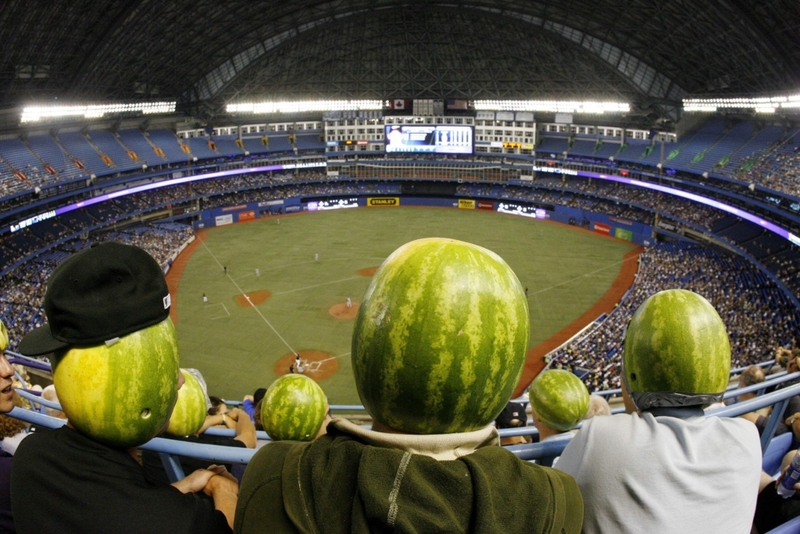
x=6, y=374
x=431, y=461
x=560, y=401
x=6, y=405
x=664, y=466
x=110, y=337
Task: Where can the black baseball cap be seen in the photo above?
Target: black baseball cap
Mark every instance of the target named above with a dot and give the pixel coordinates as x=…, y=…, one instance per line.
x=512, y=416
x=104, y=292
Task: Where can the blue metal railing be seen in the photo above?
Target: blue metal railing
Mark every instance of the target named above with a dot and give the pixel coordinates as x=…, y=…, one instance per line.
x=548, y=450
x=543, y=451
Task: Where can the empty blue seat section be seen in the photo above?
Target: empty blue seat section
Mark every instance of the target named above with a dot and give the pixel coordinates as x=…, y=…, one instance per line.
x=51, y=153
x=583, y=147
x=199, y=147
x=729, y=143
x=226, y=145
x=280, y=143
x=310, y=141
x=167, y=141
x=80, y=147
x=17, y=154
x=607, y=149
x=254, y=145
x=109, y=145
x=145, y=152
x=552, y=145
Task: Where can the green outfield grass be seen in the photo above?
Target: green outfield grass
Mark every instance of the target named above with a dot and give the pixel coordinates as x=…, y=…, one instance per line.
x=566, y=270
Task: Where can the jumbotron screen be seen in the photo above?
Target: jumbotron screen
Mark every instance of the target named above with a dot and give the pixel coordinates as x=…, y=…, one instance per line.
x=431, y=139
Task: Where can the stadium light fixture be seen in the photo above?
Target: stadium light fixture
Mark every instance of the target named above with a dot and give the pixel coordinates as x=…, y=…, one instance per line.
x=260, y=108
x=93, y=111
x=555, y=106
x=760, y=104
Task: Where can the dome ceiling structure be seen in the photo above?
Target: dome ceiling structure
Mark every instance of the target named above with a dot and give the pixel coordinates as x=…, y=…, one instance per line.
x=205, y=53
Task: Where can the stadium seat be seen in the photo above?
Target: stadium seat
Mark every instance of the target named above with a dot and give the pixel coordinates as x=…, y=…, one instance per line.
x=774, y=453
x=790, y=527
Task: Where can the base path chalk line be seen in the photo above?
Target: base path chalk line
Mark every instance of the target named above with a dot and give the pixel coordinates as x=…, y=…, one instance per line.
x=227, y=313
x=241, y=292
x=334, y=357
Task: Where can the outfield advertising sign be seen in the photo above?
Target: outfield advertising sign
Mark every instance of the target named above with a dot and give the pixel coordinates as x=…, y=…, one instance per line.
x=383, y=201
x=222, y=220
x=466, y=204
x=601, y=228
x=621, y=233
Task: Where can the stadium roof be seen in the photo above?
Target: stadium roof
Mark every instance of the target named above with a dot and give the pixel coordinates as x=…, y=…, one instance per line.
x=206, y=53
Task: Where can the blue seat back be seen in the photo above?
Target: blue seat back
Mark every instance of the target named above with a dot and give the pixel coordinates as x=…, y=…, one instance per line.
x=776, y=450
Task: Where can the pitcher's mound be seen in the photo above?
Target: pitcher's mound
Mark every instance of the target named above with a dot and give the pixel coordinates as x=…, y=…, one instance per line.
x=256, y=297
x=317, y=365
x=341, y=311
x=369, y=271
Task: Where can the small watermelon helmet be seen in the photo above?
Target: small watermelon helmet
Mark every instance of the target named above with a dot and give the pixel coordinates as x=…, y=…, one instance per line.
x=293, y=408
x=3, y=337
x=676, y=352
x=559, y=399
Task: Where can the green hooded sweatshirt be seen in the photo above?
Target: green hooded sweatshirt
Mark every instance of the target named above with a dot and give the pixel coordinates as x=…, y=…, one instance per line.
x=345, y=483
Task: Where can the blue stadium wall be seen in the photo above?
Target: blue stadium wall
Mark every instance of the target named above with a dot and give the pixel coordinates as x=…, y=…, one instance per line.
x=632, y=231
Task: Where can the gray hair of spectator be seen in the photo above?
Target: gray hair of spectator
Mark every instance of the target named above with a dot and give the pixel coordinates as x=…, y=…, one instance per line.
x=752, y=375
x=597, y=406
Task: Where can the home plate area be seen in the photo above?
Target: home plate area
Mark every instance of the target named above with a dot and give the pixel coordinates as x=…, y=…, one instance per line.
x=317, y=365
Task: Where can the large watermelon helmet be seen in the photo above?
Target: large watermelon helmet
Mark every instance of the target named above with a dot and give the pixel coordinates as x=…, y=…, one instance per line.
x=676, y=352
x=116, y=364
x=559, y=399
x=440, y=338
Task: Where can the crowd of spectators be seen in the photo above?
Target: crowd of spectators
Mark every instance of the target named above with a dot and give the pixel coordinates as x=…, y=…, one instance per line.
x=777, y=168
x=22, y=290
x=756, y=312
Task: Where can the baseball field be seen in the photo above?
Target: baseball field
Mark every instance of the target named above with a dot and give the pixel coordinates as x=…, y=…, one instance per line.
x=248, y=296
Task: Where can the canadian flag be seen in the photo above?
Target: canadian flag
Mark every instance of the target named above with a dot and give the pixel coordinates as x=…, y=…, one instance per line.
x=398, y=104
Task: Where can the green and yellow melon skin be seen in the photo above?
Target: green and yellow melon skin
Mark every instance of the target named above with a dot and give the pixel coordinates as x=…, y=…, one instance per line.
x=121, y=395
x=559, y=399
x=439, y=341
x=677, y=342
x=189, y=413
x=293, y=408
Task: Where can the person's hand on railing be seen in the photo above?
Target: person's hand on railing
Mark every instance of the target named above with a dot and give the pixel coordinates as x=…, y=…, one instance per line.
x=217, y=483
